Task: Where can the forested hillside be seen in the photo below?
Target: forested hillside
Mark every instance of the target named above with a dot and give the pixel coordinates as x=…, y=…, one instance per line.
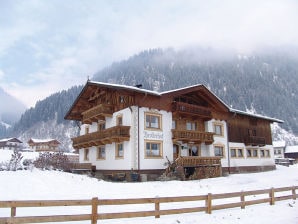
x=46, y=119
x=263, y=83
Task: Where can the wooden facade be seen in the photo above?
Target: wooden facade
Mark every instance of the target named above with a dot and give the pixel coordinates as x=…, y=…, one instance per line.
x=126, y=128
x=41, y=145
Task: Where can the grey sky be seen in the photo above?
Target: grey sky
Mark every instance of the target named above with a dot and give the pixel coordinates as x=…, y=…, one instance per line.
x=47, y=46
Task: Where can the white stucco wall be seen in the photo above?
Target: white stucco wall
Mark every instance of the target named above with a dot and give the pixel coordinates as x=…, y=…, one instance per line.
x=247, y=161
x=164, y=136
x=134, y=149
x=111, y=162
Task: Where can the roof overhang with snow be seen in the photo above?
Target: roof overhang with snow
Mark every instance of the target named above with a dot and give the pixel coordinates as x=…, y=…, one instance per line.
x=81, y=103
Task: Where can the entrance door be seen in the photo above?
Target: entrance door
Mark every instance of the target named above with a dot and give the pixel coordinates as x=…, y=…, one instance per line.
x=194, y=150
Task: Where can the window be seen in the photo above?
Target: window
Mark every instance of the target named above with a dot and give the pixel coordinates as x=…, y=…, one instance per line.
x=239, y=152
x=195, y=150
x=250, y=153
x=218, y=129
x=119, y=150
x=153, y=149
x=101, y=152
x=119, y=120
x=191, y=126
x=86, y=154
x=233, y=153
x=219, y=150
x=87, y=129
x=265, y=153
x=174, y=124
x=236, y=153
x=153, y=121
x=101, y=125
x=121, y=99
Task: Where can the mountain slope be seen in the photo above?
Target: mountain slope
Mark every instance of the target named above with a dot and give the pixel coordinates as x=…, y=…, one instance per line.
x=46, y=119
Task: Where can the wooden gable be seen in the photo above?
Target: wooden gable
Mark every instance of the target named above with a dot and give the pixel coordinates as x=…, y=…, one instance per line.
x=110, y=98
x=197, y=100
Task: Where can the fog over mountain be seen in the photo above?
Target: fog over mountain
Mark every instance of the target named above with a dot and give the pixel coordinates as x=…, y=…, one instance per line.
x=263, y=83
x=11, y=108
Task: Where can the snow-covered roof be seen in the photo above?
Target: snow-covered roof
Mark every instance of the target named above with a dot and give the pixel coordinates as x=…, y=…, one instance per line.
x=256, y=115
x=5, y=139
x=118, y=86
x=9, y=139
x=125, y=87
x=292, y=149
x=278, y=144
x=42, y=140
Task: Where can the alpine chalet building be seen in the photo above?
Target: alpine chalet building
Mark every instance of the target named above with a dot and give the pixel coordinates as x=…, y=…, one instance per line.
x=126, y=128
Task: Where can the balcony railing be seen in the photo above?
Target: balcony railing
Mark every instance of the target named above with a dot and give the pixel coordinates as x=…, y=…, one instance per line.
x=193, y=136
x=196, y=161
x=255, y=140
x=97, y=112
x=185, y=108
x=107, y=136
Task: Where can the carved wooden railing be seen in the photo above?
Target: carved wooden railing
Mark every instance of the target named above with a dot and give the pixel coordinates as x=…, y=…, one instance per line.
x=100, y=111
x=194, y=161
x=107, y=136
x=193, y=136
x=186, y=108
x=255, y=140
x=204, y=167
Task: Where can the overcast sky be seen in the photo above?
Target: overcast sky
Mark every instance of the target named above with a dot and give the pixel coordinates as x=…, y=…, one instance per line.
x=47, y=46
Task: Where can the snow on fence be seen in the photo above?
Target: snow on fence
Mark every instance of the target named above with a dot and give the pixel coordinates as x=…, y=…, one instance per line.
x=174, y=205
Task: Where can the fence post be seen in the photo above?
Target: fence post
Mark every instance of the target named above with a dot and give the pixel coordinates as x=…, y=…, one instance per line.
x=157, y=207
x=208, y=203
x=13, y=211
x=242, y=198
x=94, y=204
x=271, y=196
x=294, y=193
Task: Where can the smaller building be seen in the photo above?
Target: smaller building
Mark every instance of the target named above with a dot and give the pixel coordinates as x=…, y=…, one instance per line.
x=279, y=149
x=10, y=143
x=41, y=145
x=292, y=152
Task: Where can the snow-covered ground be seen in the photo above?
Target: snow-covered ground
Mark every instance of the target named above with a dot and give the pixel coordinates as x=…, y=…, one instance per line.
x=38, y=185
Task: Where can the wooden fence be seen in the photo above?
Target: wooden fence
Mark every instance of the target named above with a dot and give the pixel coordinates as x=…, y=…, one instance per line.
x=209, y=203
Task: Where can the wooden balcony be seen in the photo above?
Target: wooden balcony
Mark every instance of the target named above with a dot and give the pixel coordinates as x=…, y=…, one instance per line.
x=103, y=137
x=255, y=141
x=193, y=136
x=190, y=110
x=196, y=161
x=98, y=112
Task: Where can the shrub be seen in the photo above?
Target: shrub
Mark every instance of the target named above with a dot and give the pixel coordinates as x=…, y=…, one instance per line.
x=15, y=161
x=49, y=161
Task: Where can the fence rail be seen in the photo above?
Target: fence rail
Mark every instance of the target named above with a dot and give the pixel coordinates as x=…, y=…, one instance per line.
x=208, y=205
